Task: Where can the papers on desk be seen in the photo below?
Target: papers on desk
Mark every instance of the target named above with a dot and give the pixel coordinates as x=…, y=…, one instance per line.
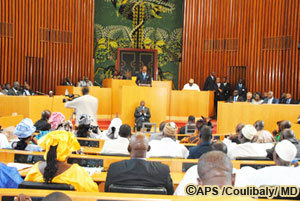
x=93, y=170
x=19, y=166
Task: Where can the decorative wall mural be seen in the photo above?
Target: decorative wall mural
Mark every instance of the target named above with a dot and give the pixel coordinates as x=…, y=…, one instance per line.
x=144, y=24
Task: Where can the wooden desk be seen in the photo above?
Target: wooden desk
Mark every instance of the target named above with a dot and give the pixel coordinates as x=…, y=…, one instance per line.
x=296, y=129
x=184, y=103
x=28, y=106
x=231, y=114
x=7, y=121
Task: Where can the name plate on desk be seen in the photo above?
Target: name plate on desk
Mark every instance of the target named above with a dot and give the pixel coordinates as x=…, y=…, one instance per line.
x=31, y=159
x=89, y=143
x=86, y=162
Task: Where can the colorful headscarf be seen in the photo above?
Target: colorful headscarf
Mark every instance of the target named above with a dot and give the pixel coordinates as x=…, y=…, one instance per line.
x=66, y=143
x=56, y=119
x=25, y=128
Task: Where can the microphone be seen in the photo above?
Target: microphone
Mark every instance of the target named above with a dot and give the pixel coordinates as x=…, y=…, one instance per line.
x=38, y=92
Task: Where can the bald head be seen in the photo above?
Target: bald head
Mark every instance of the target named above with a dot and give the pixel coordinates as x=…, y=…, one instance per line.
x=215, y=168
x=46, y=115
x=287, y=134
x=57, y=196
x=138, y=146
x=259, y=125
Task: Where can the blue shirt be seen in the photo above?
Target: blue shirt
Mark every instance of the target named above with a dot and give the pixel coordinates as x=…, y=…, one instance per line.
x=196, y=152
x=9, y=177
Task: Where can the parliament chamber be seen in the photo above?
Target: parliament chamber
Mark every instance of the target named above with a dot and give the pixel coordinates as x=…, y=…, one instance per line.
x=149, y=100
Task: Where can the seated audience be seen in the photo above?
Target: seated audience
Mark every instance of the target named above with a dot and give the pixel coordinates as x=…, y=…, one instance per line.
x=7, y=88
x=59, y=145
x=204, y=145
x=85, y=82
x=213, y=168
x=281, y=126
x=15, y=91
x=158, y=136
x=189, y=127
x=167, y=146
x=257, y=100
x=9, y=177
x=298, y=120
x=289, y=99
x=282, y=98
x=234, y=137
x=67, y=82
x=27, y=91
x=259, y=125
x=263, y=136
x=113, y=129
x=191, y=86
x=288, y=134
x=236, y=97
x=43, y=124
x=24, y=130
x=118, y=146
x=246, y=148
x=281, y=174
x=84, y=128
x=195, y=137
x=249, y=97
x=270, y=99
x=137, y=171
x=219, y=146
x=142, y=115
x=2, y=91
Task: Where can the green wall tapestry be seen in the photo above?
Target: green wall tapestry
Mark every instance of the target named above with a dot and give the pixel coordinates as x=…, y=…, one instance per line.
x=145, y=24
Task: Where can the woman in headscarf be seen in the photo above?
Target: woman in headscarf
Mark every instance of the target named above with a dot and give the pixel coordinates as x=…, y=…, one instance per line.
x=58, y=122
x=84, y=129
x=59, y=145
x=24, y=130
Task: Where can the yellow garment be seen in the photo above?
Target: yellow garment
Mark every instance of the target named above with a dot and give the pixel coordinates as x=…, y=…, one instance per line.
x=76, y=176
x=66, y=141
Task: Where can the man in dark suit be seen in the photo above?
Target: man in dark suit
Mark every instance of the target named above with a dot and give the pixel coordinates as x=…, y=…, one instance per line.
x=226, y=89
x=242, y=89
x=15, y=91
x=205, y=143
x=289, y=99
x=210, y=83
x=67, y=82
x=271, y=99
x=236, y=97
x=137, y=171
x=27, y=91
x=142, y=115
x=143, y=77
x=190, y=127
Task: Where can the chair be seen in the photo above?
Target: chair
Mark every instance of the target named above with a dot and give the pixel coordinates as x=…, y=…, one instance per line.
x=148, y=127
x=40, y=185
x=137, y=189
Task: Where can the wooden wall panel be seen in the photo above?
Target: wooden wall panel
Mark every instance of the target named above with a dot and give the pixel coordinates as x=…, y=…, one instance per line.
x=50, y=39
x=210, y=26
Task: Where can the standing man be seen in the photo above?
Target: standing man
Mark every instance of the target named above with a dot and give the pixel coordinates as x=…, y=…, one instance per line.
x=226, y=89
x=85, y=104
x=142, y=115
x=242, y=89
x=210, y=83
x=143, y=77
